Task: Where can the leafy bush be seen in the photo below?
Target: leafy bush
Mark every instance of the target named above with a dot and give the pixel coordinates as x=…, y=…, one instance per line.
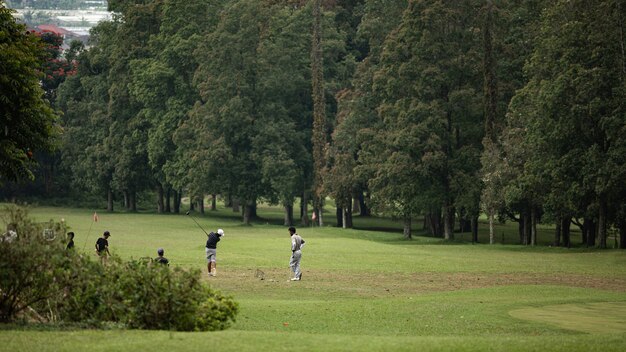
x=41, y=276
x=31, y=265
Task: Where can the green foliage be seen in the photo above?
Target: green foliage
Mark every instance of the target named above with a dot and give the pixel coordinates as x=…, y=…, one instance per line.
x=27, y=122
x=31, y=264
x=69, y=287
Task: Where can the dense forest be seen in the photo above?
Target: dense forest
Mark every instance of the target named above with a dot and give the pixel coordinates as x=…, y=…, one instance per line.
x=441, y=110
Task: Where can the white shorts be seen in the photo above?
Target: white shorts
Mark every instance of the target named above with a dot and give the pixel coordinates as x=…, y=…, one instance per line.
x=211, y=254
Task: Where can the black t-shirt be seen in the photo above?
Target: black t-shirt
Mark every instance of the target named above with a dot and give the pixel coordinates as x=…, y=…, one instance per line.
x=101, y=244
x=70, y=244
x=212, y=241
x=162, y=260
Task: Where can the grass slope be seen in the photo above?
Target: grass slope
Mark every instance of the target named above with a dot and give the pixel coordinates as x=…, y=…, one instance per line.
x=361, y=290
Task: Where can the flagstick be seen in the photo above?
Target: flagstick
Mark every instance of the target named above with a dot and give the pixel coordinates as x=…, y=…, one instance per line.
x=93, y=219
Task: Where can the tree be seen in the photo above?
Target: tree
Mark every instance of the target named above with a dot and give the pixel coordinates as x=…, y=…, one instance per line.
x=345, y=179
x=574, y=109
x=424, y=153
x=28, y=122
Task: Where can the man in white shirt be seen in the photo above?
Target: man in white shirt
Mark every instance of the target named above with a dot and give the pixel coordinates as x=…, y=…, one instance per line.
x=297, y=243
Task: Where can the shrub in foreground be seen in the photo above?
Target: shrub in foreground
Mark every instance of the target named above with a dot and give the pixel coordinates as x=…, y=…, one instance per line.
x=40, y=277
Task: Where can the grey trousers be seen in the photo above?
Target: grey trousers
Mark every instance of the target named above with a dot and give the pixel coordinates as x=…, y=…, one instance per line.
x=294, y=263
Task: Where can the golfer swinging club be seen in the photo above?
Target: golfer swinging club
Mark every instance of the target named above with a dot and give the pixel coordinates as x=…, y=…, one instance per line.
x=211, y=251
x=297, y=243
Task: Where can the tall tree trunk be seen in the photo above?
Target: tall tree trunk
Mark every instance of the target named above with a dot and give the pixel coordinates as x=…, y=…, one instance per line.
x=304, y=204
x=235, y=203
x=160, y=197
x=201, y=203
x=492, y=235
x=557, y=232
x=365, y=210
x=433, y=223
x=339, y=214
x=533, y=226
x=228, y=202
x=133, y=201
x=168, y=199
x=288, y=215
x=474, y=229
x=590, y=227
x=319, y=110
x=110, y=200
x=565, y=230
x=246, y=214
x=407, y=227
x=583, y=231
x=520, y=228
x=490, y=84
x=213, y=202
x=356, y=204
x=347, y=222
x=602, y=222
x=249, y=211
x=622, y=234
x=177, y=200
x=126, y=200
x=527, y=225
x=448, y=221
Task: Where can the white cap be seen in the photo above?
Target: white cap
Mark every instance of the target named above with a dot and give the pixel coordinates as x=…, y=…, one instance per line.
x=220, y=232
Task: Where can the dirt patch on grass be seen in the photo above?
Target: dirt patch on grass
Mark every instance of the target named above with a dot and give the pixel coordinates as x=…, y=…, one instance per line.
x=599, y=317
x=385, y=284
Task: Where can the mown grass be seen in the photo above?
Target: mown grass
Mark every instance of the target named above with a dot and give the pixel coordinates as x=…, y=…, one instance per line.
x=361, y=289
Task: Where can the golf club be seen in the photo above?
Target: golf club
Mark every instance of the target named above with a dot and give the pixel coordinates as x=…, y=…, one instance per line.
x=194, y=220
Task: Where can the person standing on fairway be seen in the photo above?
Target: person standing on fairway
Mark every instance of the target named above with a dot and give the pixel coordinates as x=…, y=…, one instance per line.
x=161, y=259
x=211, y=251
x=297, y=243
x=102, y=247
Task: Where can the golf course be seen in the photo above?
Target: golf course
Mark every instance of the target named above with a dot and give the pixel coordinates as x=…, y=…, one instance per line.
x=361, y=290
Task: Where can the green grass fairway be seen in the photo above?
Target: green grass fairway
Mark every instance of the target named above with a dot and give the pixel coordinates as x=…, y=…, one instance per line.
x=362, y=290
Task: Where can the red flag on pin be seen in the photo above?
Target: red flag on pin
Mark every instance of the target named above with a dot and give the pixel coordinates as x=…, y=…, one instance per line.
x=95, y=216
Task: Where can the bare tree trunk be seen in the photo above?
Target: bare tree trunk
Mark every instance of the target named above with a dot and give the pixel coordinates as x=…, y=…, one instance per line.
x=177, y=200
x=407, y=227
x=590, y=227
x=133, y=201
x=492, y=235
x=622, y=234
x=602, y=223
x=288, y=215
x=557, y=232
x=339, y=215
x=474, y=229
x=213, y=202
x=168, y=199
x=365, y=210
x=533, y=226
x=356, y=205
x=201, y=203
x=565, y=231
x=110, y=200
x=305, y=209
x=347, y=222
x=319, y=216
x=448, y=222
x=126, y=201
x=160, y=197
x=527, y=226
x=246, y=215
x=235, y=203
